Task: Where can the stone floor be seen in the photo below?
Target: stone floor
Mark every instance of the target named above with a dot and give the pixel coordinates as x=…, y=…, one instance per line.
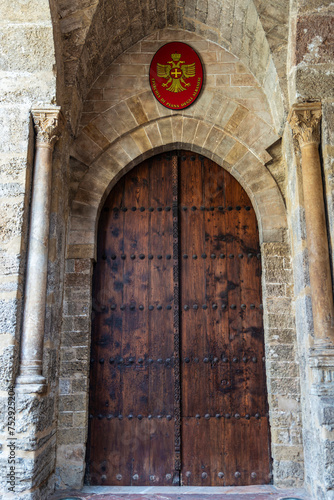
x=186, y=493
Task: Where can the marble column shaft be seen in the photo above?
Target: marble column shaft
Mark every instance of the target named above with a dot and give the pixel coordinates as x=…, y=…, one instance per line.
x=47, y=125
x=305, y=122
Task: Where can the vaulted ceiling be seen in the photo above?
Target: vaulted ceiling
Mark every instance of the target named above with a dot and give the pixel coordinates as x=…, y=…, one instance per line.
x=94, y=32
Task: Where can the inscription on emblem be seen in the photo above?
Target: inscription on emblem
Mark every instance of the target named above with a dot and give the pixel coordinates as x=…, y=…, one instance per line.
x=176, y=75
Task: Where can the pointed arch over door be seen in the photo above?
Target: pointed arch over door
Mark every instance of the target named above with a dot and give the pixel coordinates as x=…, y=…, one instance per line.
x=177, y=384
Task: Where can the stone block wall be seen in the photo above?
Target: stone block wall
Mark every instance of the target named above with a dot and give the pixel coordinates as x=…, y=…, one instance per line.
x=283, y=372
x=27, y=59
x=128, y=76
x=317, y=394
x=36, y=414
x=74, y=373
x=327, y=150
x=310, y=59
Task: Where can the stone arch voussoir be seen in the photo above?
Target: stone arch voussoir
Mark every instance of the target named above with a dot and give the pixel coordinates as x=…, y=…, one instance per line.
x=166, y=133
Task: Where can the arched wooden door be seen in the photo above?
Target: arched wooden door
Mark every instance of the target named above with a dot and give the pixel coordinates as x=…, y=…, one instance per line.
x=177, y=384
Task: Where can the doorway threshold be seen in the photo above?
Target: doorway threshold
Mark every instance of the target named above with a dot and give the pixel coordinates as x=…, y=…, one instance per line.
x=184, y=490
x=261, y=492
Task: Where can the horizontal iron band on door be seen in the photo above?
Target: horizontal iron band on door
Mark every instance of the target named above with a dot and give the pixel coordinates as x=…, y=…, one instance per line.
x=223, y=359
x=207, y=416
x=185, y=256
x=168, y=208
x=224, y=306
x=186, y=307
x=152, y=477
x=132, y=360
x=221, y=475
x=188, y=474
x=169, y=361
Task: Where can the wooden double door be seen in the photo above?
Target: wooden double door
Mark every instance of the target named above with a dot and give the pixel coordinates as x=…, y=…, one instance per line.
x=177, y=383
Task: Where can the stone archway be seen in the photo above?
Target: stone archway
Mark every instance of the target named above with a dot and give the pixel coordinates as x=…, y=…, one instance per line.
x=277, y=284
x=230, y=124
x=170, y=133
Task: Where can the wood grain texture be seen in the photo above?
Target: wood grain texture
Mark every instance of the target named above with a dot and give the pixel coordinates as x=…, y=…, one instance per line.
x=177, y=335
x=223, y=378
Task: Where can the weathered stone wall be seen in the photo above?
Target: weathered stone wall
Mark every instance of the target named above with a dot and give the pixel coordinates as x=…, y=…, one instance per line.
x=73, y=374
x=26, y=76
x=327, y=151
x=26, y=62
x=303, y=306
x=316, y=369
x=283, y=374
x=36, y=414
x=310, y=59
x=230, y=118
x=311, y=77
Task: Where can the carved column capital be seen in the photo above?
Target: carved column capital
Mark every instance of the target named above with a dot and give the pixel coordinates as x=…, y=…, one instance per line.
x=48, y=121
x=304, y=120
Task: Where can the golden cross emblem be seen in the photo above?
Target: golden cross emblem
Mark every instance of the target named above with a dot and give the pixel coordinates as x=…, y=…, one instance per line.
x=176, y=73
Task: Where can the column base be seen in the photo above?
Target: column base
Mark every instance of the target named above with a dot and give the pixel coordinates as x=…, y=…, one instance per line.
x=31, y=383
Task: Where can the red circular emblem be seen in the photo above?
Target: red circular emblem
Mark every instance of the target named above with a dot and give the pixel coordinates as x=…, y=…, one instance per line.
x=176, y=75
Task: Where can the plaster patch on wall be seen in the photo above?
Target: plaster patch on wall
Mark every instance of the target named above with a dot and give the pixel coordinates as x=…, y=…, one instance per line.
x=313, y=50
x=314, y=39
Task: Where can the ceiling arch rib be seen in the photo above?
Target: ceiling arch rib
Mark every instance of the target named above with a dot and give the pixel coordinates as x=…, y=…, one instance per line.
x=274, y=17
x=75, y=20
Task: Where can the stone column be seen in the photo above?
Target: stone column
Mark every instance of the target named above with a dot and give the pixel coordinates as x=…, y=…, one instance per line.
x=47, y=122
x=305, y=122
